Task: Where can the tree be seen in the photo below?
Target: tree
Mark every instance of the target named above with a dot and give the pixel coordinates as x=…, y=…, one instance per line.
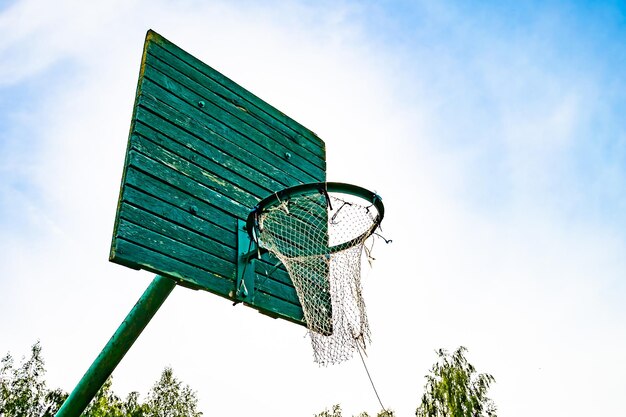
x=453, y=389
x=336, y=412
x=6, y=372
x=169, y=398
x=132, y=406
x=54, y=401
x=23, y=391
x=105, y=403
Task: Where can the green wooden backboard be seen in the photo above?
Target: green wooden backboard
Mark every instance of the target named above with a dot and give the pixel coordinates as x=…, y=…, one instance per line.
x=202, y=151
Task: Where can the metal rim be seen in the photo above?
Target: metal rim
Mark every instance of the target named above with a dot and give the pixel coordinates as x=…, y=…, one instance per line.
x=319, y=187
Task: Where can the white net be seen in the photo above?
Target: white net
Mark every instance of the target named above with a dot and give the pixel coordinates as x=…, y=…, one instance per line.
x=319, y=238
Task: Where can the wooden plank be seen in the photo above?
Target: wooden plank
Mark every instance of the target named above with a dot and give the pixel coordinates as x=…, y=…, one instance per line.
x=187, y=124
x=175, y=231
x=258, y=145
x=183, y=182
x=190, y=203
x=171, y=261
x=233, y=96
x=275, y=307
x=181, y=217
x=308, y=164
x=173, y=249
x=269, y=269
x=160, y=263
x=157, y=263
x=226, y=105
x=192, y=171
x=277, y=289
x=282, y=288
x=244, y=97
x=212, y=160
x=178, y=224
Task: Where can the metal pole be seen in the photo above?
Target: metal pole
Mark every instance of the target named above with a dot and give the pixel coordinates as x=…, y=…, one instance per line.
x=118, y=345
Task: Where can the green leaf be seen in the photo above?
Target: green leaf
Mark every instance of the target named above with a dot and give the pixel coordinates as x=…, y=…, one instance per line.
x=453, y=389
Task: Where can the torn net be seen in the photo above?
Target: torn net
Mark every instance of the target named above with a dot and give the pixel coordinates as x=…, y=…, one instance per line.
x=319, y=238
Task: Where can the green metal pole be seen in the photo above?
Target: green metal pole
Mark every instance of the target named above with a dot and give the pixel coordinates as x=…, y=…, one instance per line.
x=118, y=345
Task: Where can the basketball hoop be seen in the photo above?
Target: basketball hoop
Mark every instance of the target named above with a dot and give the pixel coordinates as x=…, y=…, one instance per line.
x=318, y=231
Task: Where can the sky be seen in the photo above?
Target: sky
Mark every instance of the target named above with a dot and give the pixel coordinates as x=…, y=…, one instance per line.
x=495, y=134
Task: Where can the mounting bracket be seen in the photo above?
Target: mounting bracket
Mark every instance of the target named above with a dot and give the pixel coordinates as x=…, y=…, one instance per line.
x=247, y=253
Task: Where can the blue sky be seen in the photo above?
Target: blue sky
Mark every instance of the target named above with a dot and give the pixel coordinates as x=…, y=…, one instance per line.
x=494, y=132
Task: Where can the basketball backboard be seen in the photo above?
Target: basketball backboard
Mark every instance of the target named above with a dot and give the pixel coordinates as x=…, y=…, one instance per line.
x=202, y=152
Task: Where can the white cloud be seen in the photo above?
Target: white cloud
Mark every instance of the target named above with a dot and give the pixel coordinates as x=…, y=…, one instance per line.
x=36, y=34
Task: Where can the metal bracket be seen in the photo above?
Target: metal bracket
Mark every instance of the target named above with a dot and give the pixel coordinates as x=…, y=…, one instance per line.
x=247, y=252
